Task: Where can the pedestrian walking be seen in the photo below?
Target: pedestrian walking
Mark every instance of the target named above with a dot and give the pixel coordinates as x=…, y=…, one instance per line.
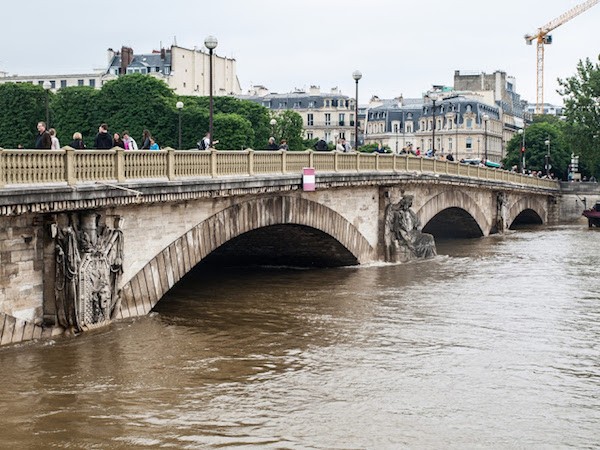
x=43, y=140
x=103, y=140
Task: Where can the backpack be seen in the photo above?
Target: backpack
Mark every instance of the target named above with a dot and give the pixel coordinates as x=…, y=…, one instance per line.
x=201, y=145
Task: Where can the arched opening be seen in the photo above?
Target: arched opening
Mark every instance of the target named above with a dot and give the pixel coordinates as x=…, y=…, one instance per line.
x=282, y=245
x=453, y=223
x=526, y=218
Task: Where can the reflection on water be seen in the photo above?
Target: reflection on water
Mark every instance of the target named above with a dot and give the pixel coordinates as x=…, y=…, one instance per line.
x=492, y=344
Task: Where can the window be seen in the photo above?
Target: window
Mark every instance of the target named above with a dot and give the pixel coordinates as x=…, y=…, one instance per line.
x=282, y=105
x=52, y=84
x=469, y=123
x=92, y=83
x=41, y=82
x=297, y=105
x=327, y=136
x=309, y=135
x=167, y=70
x=79, y=82
x=267, y=104
x=327, y=119
x=342, y=119
x=409, y=127
x=450, y=144
x=311, y=104
x=395, y=128
x=469, y=143
x=310, y=120
x=342, y=135
x=351, y=120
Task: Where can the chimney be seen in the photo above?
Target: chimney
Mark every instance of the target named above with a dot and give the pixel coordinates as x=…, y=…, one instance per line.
x=163, y=53
x=110, y=53
x=126, y=59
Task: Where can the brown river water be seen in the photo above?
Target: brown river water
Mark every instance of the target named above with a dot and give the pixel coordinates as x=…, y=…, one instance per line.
x=493, y=344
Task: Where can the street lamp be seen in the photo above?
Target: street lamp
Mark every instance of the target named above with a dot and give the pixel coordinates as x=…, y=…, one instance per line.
x=522, y=132
x=357, y=76
x=273, y=122
x=433, y=97
x=547, y=165
x=210, y=43
x=47, y=85
x=179, y=106
x=485, y=118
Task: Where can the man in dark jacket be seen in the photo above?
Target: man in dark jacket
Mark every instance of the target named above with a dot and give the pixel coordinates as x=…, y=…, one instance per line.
x=43, y=139
x=103, y=140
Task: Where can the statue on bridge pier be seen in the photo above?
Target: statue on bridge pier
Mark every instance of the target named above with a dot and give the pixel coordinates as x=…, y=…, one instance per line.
x=404, y=240
x=89, y=264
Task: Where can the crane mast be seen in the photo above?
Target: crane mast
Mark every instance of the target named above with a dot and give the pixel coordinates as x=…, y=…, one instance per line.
x=542, y=37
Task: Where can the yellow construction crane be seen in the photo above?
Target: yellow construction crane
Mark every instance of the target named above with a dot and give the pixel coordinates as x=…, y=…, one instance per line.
x=542, y=37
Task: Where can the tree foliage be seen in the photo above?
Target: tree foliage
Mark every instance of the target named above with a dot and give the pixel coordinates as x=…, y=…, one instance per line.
x=536, y=149
x=22, y=106
x=289, y=127
x=136, y=102
x=581, y=94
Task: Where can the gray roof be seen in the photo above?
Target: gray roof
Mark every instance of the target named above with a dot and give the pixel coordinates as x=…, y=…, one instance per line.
x=145, y=60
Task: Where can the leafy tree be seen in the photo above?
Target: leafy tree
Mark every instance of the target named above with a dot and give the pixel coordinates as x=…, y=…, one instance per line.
x=536, y=136
x=136, y=102
x=234, y=132
x=289, y=127
x=370, y=148
x=581, y=94
x=74, y=110
x=22, y=106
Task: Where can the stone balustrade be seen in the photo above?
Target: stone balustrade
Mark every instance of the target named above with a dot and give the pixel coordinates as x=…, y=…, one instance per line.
x=19, y=167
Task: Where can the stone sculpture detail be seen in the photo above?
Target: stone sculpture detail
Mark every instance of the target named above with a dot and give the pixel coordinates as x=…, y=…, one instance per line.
x=404, y=239
x=89, y=265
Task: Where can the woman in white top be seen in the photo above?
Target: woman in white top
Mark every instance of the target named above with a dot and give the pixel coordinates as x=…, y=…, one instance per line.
x=55, y=143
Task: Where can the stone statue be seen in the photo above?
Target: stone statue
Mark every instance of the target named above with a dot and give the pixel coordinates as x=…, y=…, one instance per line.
x=89, y=264
x=404, y=240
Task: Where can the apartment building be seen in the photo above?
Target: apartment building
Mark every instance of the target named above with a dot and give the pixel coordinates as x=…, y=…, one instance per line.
x=325, y=115
x=186, y=71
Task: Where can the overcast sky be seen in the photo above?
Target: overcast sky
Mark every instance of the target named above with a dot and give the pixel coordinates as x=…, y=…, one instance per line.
x=401, y=47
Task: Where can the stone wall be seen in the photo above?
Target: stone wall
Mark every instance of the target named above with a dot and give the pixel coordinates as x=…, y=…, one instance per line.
x=21, y=267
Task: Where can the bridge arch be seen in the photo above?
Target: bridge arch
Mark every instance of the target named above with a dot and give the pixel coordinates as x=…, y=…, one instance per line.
x=141, y=293
x=456, y=207
x=527, y=210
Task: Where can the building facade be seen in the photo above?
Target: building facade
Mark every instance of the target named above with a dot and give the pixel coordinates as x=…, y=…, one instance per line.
x=186, y=71
x=461, y=128
x=329, y=116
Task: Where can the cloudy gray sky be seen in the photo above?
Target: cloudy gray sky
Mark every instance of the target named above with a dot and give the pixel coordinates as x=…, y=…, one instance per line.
x=401, y=47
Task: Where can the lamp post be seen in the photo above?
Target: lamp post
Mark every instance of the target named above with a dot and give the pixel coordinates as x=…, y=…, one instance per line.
x=179, y=106
x=547, y=158
x=210, y=43
x=357, y=76
x=273, y=123
x=522, y=159
x=485, y=118
x=433, y=97
x=47, y=87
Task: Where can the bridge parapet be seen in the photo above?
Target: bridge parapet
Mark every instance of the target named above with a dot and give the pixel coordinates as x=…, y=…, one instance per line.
x=31, y=167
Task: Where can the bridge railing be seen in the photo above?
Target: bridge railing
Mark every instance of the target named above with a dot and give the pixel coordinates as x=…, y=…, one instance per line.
x=70, y=166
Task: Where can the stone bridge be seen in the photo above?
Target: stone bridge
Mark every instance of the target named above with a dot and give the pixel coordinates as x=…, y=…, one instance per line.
x=174, y=210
